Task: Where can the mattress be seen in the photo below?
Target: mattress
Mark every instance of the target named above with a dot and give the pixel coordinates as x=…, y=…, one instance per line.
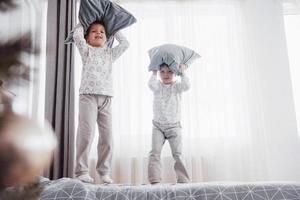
x=67, y=189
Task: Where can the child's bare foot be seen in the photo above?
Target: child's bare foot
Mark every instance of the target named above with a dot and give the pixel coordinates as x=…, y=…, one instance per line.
x=106, y=179
x=85, y=178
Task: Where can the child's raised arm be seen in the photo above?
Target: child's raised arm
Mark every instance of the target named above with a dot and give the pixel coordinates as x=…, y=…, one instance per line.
x=80, y=41
x=153, y=83
x=121, y=47
x=184, y=85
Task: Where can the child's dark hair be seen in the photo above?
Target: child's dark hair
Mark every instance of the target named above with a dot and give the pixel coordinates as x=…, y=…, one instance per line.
x=95, y=22
x=163, y=65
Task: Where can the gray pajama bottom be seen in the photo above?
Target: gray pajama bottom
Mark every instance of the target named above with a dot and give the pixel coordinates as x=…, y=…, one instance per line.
x=92, y=109
x=161, y=133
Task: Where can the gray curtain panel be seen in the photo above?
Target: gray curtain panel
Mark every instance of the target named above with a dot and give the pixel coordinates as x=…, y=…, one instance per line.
x=59, y=105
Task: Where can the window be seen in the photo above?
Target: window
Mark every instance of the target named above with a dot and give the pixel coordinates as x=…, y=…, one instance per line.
x=292, y=30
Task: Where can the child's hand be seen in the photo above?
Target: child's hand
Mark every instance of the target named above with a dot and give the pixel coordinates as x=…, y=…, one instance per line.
x=78, y=25
x=117, y=33
x=182, y=67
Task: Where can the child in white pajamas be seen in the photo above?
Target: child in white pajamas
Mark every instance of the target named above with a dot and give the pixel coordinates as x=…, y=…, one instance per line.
x=96, y=91
x=166, y=122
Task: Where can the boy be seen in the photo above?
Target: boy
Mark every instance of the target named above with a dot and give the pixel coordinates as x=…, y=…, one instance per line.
x=166, y=121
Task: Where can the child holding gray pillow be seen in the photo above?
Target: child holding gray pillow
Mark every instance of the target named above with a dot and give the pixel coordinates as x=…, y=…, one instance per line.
x=96, y=91
x=166, y=121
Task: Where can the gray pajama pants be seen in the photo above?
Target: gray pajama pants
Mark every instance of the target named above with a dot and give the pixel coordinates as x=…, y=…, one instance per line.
x=92, y=109
x=161, y=133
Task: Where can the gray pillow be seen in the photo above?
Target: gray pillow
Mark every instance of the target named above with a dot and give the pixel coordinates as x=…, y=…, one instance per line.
x=114, y=17
x=172, y=55
x=91, y=10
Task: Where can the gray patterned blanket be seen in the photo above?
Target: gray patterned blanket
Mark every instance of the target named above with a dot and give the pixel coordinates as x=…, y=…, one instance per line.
x=69, y=189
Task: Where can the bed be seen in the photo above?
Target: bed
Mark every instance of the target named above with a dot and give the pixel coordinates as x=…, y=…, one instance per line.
x=69, y=189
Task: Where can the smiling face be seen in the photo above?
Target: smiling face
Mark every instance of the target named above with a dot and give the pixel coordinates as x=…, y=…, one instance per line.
x=96, y=36
x=166, y=74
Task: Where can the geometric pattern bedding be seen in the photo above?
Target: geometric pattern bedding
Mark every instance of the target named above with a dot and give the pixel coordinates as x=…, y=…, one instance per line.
x=69, y=189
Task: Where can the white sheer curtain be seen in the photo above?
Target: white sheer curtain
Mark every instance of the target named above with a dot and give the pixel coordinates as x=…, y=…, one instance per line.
x=292, y=27
x=238, y=118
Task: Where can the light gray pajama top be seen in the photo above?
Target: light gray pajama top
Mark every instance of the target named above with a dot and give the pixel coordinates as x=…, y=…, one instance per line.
x=97, y=62
x=167, y=99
